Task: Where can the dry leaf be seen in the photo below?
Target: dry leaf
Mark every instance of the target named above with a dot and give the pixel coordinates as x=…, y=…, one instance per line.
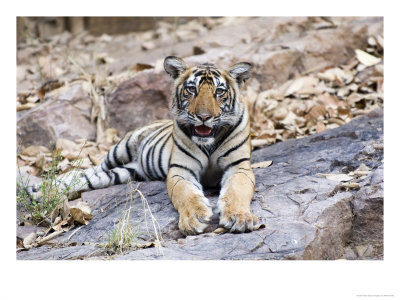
x=35, y=150
x=259, y=143
x=59, y=225
x=26, y=106
x=149, y=45
x=109, y=136
x=336, y=74
x=64, y=165
x=85, y=163
x=96, y=159
x=61, y=210
x=144, y=245
x=140, y=67
x=302, y=85
x=367, y=59
x=378, y=146
x=262, y=164
x=337, y=177
x=350, y=185
x=50, y=237
x=316, y=112
x=320, y=127
x=29, y=240
x=69, y=149
x=81, y=213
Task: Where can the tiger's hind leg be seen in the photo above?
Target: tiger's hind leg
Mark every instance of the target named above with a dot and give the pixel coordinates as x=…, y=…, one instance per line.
x=98, y=178
x=90, y=179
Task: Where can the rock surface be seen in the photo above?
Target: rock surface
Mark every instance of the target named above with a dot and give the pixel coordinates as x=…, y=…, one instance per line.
x=306, y=215
x=139, y=100
x=44, y=124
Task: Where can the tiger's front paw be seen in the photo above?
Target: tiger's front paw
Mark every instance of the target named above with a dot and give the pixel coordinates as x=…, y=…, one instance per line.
x=195, y=216
x=238, y=220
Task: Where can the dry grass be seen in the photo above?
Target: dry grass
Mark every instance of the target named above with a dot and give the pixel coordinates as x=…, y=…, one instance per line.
x=124, y=235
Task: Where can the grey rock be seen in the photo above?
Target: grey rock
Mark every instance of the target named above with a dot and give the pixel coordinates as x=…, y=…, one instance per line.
x=44, y=124
x=68, y=253
x=139, y=101
x=306, y=216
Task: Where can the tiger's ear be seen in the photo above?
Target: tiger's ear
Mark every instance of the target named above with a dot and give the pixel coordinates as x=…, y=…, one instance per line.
x=174, y=66
x=240, y=72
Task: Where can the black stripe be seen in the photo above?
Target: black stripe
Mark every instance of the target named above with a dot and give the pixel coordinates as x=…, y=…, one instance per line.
x=160, y=156
x=214, y=73
x=160, y=130
x=176, y=175
x=150, y=168
x=235, y=163
x=187, y=153
x=89, y=183
x=244, y=169
x=116, y=159
x=132, y=173
x=199, y=73
x=156, y=133
x=127, y=149
x=108, y=175
x=117, y=179
x=107, y=161
x=232, y=149
x=228, y=133
x=159, y=177
x=184, y=168
x=177, y=99
x=233, y=99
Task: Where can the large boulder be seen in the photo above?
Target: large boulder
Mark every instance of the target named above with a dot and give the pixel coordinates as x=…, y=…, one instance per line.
x=44, y=124
x=139, y=101
x=307, y=213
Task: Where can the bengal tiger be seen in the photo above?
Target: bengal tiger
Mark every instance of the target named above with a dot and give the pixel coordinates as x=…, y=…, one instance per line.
x=206, y=144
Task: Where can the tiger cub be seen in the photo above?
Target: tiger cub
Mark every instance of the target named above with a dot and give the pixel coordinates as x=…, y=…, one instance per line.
x=207, y=143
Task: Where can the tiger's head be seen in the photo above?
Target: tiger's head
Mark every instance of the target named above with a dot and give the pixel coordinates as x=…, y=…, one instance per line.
x=206, y=100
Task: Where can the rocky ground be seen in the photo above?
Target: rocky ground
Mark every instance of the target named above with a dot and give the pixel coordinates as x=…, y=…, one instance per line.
x=322, y=197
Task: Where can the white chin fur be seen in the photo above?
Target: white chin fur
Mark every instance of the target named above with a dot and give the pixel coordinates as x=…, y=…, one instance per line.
x=203, y=141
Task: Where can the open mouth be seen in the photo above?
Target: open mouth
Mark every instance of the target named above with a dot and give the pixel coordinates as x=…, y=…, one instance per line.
x=203, y=130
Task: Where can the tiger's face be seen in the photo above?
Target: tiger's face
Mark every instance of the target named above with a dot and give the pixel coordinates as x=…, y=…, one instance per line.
x=206, y=102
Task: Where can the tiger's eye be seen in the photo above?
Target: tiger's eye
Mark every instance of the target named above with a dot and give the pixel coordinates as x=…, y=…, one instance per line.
x=219, y=91
x=191, y=89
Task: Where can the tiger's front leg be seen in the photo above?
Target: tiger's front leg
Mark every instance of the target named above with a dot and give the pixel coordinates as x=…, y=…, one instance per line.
x=235, y=197
x=188, y=199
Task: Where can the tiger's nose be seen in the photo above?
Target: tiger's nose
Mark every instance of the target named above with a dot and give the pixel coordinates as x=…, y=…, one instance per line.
x=204, y=117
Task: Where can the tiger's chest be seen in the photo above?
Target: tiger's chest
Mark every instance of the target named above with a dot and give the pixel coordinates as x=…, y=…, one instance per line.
x=211, y=176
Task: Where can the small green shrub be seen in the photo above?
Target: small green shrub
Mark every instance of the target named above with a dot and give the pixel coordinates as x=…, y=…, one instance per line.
x=51, y=191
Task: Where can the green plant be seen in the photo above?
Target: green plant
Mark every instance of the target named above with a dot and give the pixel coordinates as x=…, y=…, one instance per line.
x=50, y=192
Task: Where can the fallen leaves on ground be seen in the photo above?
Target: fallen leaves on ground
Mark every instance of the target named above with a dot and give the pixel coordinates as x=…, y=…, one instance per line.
x=319, y=101
x=81, y=213
x=63, y=218
x=75, y=154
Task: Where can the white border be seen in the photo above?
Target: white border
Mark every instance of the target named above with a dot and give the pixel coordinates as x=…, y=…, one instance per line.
x=200, y=279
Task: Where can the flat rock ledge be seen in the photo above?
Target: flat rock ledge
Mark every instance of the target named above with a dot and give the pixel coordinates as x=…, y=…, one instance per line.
x=306, y=215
